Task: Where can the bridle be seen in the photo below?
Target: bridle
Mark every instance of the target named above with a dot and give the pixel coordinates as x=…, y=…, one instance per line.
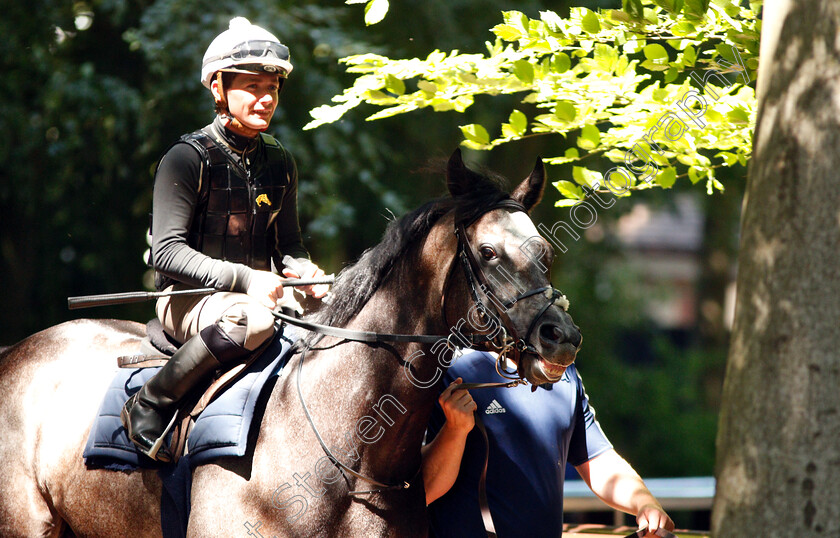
x=505, y=341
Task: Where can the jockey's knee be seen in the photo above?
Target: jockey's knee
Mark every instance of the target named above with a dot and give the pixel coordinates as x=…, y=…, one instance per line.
x=249, y=324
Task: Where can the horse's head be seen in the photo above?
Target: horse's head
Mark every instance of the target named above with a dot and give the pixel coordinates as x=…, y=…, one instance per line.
x=507, y=269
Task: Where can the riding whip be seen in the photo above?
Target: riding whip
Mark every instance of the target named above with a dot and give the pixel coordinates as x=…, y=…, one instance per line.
x=87, y=301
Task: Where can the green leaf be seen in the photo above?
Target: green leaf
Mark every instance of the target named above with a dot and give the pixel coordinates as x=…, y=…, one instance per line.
x=651, y=66
x=375, y=11
x=566, y=203
x=738, y=115
x=518, y=20
x=589, y=137
x=683, y=28
x=712, y=184
x=570, y=155
x=428, y=87
x=561, y=62
x=729, y=158
x=569, y=189
x=696, y=9
x=671, y=75
x=565, y=110
x=590, y=22
x=524, y=71
x=379, y=98
x=689, y=56
x=585, y=176
x=519, y=122
x=667, y=177
x=671, y=6
x=617, y=15
x=605, y=56
x=656, y=53
x=726, y=52
x=508, y=32
x=633, y=8
x=475, y=133
x=552, y=20
x=394, y=85
x=695, y=174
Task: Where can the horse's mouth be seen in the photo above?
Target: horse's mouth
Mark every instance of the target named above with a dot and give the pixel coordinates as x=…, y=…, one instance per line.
x=543, y=370
x=553, y=372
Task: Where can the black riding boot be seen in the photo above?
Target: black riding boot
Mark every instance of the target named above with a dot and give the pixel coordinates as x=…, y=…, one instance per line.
x=148, y=414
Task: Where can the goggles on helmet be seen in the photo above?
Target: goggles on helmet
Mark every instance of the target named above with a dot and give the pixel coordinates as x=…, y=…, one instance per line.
x=253, y=50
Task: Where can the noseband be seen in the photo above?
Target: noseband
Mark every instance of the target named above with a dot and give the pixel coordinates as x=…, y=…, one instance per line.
x=508, y=342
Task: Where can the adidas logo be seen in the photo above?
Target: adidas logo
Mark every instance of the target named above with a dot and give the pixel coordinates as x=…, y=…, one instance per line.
x=494, y=408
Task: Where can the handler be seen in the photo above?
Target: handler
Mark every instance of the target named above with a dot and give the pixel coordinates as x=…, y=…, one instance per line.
x=532, y=435
x=224, y=208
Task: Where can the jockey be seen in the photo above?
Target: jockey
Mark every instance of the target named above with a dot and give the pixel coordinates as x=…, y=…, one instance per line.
x=225, y=207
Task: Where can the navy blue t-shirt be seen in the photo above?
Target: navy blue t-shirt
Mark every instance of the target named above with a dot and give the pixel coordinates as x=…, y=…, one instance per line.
x=532, y=436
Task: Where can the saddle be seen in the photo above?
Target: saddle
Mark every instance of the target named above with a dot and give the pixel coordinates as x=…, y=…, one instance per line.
x=155, y=350
x=248, y=377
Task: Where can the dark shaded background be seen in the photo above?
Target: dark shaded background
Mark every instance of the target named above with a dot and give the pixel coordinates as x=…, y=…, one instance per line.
x=94, y=92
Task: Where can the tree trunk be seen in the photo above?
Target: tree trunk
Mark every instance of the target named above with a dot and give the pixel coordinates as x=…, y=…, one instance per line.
x=778, y=446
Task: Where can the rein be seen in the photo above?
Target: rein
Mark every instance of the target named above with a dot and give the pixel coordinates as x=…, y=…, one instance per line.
x=504, y=343
x=373, y=337
x=341, y=466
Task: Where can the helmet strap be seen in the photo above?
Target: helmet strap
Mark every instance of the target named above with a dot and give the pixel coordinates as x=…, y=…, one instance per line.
x=221, y=100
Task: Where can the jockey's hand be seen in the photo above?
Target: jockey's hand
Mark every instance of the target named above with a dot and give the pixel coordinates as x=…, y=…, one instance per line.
x=266, y=287
x=458, y=407
x=653, y=517
x=308, y=270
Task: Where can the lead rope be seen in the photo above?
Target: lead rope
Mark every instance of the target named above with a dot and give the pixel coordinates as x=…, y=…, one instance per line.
x=483, y=505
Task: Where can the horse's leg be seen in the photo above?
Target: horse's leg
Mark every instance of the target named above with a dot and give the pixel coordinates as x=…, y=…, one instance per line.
x=232, y=495
x=52, y=384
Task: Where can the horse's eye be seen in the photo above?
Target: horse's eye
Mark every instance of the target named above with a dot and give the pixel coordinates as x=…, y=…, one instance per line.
x=487, y=253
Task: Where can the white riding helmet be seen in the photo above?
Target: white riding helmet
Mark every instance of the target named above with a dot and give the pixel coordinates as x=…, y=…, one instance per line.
x=245, y=48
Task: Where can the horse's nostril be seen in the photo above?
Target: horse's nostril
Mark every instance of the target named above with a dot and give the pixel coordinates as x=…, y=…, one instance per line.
x=551, y=332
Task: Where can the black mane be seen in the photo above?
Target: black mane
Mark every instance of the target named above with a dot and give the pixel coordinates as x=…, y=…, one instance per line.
x=356, y=283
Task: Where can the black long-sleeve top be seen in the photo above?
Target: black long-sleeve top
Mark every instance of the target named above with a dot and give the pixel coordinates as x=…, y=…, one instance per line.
x=176, y=196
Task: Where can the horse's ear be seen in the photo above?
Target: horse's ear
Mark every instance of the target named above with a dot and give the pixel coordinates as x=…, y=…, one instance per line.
x=460, y=179
x=530, y=191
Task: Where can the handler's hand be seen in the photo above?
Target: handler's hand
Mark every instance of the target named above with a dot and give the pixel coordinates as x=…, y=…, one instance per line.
x=653, y=517
x=266, y=287
x=458, y=407
x=308, y=270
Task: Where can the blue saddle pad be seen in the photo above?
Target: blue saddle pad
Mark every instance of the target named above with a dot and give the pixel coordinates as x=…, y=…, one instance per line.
x=221, y=429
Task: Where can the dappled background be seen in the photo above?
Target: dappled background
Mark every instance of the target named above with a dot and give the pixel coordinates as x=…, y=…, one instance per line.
x=95, y=92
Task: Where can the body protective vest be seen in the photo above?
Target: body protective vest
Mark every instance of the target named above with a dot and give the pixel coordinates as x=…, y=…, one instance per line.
x=237, y=205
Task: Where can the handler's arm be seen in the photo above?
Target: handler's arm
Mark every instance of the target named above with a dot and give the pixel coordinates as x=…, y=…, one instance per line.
x=442, y=456
x=612, y=479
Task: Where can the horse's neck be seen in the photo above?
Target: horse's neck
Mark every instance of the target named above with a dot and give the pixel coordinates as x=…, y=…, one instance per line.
x=407, y=302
